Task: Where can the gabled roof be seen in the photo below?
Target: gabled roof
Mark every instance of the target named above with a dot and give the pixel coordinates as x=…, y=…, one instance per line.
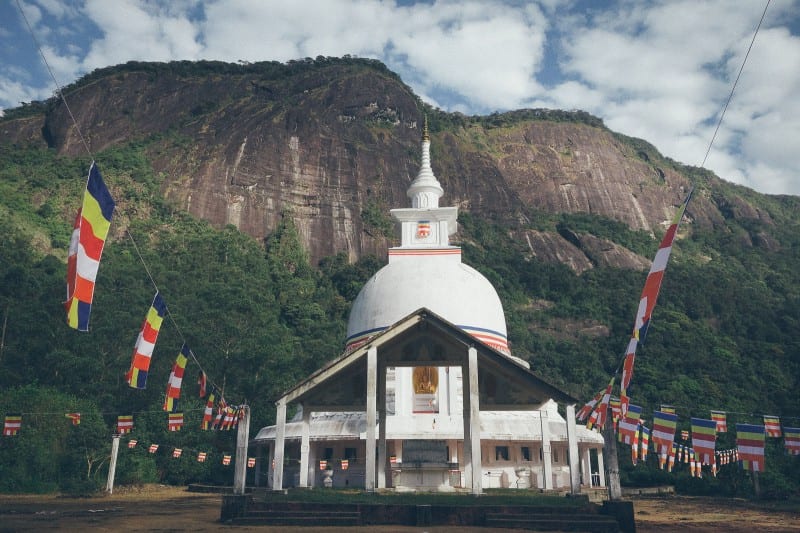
x=425, y=339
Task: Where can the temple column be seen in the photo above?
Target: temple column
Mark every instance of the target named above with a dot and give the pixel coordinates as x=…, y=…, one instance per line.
x=280, y=439
x=381, y=427
x=372, y=374
x=572, y=451
x=474, y=423
x=547, y=459
x=305, y=433
x=586, y=464
x=601, y=468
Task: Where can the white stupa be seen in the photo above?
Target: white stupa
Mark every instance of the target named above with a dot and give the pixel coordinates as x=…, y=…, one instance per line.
x=417, y=329
x=426, y=271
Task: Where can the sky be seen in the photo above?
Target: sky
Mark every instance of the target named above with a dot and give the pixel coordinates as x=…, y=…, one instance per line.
x=659, y=70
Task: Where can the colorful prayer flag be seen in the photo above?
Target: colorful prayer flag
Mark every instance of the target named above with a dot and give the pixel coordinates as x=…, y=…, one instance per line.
x=664, y=430
x=124, y=424
x=226, y=460
x=208, y=413
x=132, y=443
x=791, y=440
x=201, y=457
x=586, y=410
x=750, y=445
x=704, y=439
x=85, y=249
x=598, y=416
x=772, y=426
x=720, y=418
x=12, y=425
x=176, y=453
x=176, y=379
x=647, y=302
x=645, y=442
x=143, y=352
x=174, y=421
x=629, y=424
x=153, y=448
x=75, y=417
x=251, y=462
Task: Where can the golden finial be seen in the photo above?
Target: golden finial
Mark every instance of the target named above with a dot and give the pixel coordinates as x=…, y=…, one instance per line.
x=425, y=136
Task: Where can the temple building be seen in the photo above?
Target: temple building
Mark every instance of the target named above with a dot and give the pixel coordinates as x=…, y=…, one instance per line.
x=427, y=395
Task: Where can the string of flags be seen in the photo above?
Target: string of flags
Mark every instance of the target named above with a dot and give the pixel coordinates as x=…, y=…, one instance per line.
x=200, y=456
x=697, y=448
x=89, y=235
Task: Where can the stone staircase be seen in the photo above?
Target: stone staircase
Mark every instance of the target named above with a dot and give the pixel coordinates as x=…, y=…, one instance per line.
x=549, y=521
x=587, y=517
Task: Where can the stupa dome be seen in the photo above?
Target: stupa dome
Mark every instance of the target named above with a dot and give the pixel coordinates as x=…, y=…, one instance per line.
x=426, y=271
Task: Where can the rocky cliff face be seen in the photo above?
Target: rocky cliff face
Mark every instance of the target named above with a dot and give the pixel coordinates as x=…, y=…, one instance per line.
x=335, y=143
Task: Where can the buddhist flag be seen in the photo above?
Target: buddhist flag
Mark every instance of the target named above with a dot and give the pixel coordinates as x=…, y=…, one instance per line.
x=704, y=439
x=142, y=354
x=772, y=426
x=201, y=457
x=629, y=424
x=750, y=444
x=174, y=421
x=124, y=424
x=647, y=302
x=12, y=425
x=586, y=410
x=721, y=419
x=208, y=413
x=175, y=379
x=176, y=453
x=75, y=417
x=645, y=442
x=598, y=417
x=664, y=430
x=132, y=443
x=251, y=462
x=791, y=440
x=153, y=448
x=202, y=382
x=635, y=445
x=226, y=460
x=85, y=248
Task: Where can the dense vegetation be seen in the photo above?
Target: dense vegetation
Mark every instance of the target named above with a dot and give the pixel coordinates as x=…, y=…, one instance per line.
x=259, y=316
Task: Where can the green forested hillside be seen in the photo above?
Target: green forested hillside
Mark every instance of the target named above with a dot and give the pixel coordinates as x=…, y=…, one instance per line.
x=725, y=333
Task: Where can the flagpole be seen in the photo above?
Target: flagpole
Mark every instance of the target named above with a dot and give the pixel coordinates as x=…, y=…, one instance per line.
x=611, y=461
x=112, y=466
x=242, y=438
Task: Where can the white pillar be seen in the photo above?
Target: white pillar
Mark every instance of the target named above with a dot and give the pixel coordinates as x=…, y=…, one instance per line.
x=586, y=463
x=466, y=451
x=475, y=423
x=305, y=438
x=372, y=374
x=242, y=439
x=547, y=457
x=601, y=468
x=381, y=427
x=572, y=443
x=112, y=466
x=280, y=440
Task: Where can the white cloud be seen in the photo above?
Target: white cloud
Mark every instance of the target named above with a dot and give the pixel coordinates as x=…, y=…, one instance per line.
x=660, y=70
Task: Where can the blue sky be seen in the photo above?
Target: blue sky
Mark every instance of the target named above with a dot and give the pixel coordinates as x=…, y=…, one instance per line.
x=658, y=70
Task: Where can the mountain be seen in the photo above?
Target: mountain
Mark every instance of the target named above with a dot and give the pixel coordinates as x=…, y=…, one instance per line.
x=258, y=196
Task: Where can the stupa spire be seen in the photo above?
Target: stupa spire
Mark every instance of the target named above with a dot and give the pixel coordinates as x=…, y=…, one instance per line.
x=425, y=190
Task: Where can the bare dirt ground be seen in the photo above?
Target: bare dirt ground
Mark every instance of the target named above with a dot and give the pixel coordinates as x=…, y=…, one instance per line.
x=159, y=508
